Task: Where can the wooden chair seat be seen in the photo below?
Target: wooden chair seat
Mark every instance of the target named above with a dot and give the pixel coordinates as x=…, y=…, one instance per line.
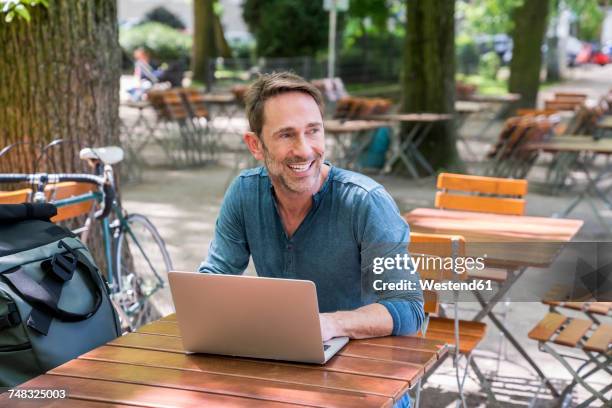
x=601, y=308
x=573, y=332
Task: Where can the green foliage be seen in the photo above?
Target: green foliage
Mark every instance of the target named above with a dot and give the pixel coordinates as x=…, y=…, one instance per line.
x=486, y=16
x=165, y=43
x=287, y=28
x=590, y=18
x=485, y=86
x=383, y=19
x=163, y=15
x=19, y=8
x=489, y=64
x=466, y=53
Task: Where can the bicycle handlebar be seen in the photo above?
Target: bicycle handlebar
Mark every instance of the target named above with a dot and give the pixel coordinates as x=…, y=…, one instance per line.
x=106, y=187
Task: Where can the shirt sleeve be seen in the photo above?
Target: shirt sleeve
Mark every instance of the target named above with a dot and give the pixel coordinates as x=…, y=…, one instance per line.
x=384, y=236
x=229, y=251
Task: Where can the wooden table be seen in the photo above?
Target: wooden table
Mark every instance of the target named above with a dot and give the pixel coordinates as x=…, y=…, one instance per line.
x=222, y=105
x=468, y=107
x=464, y=110
x=351, y=138
x=150, y=368
x=481, y=228
x=406, y=148
x=581, y=151
x=502, y=98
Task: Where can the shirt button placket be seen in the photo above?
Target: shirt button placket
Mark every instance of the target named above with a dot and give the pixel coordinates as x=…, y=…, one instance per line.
x=289, y=267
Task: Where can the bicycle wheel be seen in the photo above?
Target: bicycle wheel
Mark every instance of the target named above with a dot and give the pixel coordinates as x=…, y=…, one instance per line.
x=142, y=266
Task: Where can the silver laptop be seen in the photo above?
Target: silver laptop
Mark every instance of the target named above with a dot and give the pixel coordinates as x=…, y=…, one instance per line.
x=250, y=316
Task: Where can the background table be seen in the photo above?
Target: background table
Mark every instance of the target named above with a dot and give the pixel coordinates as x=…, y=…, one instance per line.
x=581, y=152
x=406, y=147
x=150, y=368
x=351, y=138
x=515, y=252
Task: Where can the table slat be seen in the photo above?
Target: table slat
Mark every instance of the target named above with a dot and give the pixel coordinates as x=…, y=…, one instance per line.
x=389, y=354
x=56, y=403
x=408, y=342
x=352, y=365
x=143, y=395
x=165, y=328
x=253, y=369
x=219, y=384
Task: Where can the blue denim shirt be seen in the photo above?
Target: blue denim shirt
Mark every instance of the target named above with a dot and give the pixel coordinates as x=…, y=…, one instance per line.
x=352, y=221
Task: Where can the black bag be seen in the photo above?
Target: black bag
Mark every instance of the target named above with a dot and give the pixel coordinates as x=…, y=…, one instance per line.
x=54, y=303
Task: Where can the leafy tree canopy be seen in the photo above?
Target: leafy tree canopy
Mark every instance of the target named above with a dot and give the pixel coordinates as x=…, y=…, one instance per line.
x=590, y=18
x=19, y=8
x=486, y=16
x=164, y=16
x=287, y=28
x=164, y=43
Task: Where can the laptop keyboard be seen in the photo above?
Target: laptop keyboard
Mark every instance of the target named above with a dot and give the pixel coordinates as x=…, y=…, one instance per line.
x=326, y=346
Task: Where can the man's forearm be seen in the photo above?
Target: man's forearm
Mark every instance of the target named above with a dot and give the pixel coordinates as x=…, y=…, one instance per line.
x=368, y=321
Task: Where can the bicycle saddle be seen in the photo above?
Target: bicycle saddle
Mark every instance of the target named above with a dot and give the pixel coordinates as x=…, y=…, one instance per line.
x=107, y=155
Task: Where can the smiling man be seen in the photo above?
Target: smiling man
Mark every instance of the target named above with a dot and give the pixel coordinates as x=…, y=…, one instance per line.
x=301, y=218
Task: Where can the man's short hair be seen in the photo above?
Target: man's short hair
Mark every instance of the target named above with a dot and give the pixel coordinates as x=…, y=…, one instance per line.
x=269, y=85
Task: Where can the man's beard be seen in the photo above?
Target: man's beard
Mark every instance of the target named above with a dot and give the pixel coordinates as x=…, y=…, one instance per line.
x=278, y=171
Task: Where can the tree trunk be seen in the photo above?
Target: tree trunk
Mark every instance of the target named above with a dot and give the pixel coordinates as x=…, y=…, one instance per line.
x=203, y=39
x=528, y=34
x=221, y=45
x=553, y=45
x=428, y=79
x=60, y=79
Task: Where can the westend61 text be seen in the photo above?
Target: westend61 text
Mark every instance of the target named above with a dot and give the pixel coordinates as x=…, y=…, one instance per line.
x=404, y=284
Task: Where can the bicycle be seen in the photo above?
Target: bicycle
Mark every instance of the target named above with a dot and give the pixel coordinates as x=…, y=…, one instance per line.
x=136, y=256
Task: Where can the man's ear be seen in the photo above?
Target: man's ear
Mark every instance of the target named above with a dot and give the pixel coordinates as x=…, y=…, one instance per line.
x=254, y=145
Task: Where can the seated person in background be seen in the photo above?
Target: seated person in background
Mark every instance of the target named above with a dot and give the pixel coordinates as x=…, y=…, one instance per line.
x=144, y=70
x=149, y=74
x=299, y=217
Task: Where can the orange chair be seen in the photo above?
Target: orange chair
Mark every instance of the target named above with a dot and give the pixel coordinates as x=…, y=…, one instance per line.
x=470, y=333
x=483, y=194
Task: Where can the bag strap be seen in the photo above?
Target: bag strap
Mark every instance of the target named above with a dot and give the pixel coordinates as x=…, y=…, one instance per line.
x=44, y=296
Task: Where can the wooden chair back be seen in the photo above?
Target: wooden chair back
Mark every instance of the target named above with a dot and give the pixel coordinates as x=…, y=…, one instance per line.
x=571, y=96
x=174, y=105
x=168, y=104
x=59, y=191
x=436, y=247
x=563, y=104
x=482, y=194
x=536, y=112
x=195, y=103
x=15, y=197
x=431, y=302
